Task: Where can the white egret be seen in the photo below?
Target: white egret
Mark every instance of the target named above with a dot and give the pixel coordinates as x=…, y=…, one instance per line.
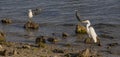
x=90, y=30
x=30, y=14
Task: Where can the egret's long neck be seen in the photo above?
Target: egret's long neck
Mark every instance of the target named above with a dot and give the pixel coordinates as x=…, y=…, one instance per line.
x=87, y=26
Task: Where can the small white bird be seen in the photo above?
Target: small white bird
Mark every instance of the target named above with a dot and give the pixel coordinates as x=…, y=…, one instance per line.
x=90, y=30
x=30, y=14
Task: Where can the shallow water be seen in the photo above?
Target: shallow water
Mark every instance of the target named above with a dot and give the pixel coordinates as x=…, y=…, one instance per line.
x=59, y=16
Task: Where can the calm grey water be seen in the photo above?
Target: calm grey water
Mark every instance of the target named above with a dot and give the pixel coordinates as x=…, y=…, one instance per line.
x=58, y=16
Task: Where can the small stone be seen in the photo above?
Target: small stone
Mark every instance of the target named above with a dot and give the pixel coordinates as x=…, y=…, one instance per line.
x=58, y=51
x=64, y=35
x=80, y=29
x=14, y=52
x=52, y=40
x=26, y=46
x=85, y=53
x=6, y=21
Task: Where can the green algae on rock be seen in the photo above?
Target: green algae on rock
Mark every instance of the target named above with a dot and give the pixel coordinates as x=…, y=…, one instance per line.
x=40, y=41
x=80, y=29
x=31, y=25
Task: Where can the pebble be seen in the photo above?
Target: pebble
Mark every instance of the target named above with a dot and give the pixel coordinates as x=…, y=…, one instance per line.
x=14, y=52
x=64, y=35
x=26, y=46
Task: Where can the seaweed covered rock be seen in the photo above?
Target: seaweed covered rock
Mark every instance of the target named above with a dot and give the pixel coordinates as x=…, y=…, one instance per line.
x=80, y=29
x=40, y=41
x=90, y=41
x=6, y=21
x=31, y=25
x=2, y=37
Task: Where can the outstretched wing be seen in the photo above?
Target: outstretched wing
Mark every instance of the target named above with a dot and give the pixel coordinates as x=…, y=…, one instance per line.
x=93, y=33
x=77, y=15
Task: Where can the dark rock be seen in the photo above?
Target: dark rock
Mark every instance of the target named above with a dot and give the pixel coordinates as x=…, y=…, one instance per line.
x=4, y=53
x=40, y=39
x=52, y=40
x=80, y=29
x=6, y=21
x=98, y=42
x=113, y=44
x=31, y=25
x=58, y=51
x=64, y=35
